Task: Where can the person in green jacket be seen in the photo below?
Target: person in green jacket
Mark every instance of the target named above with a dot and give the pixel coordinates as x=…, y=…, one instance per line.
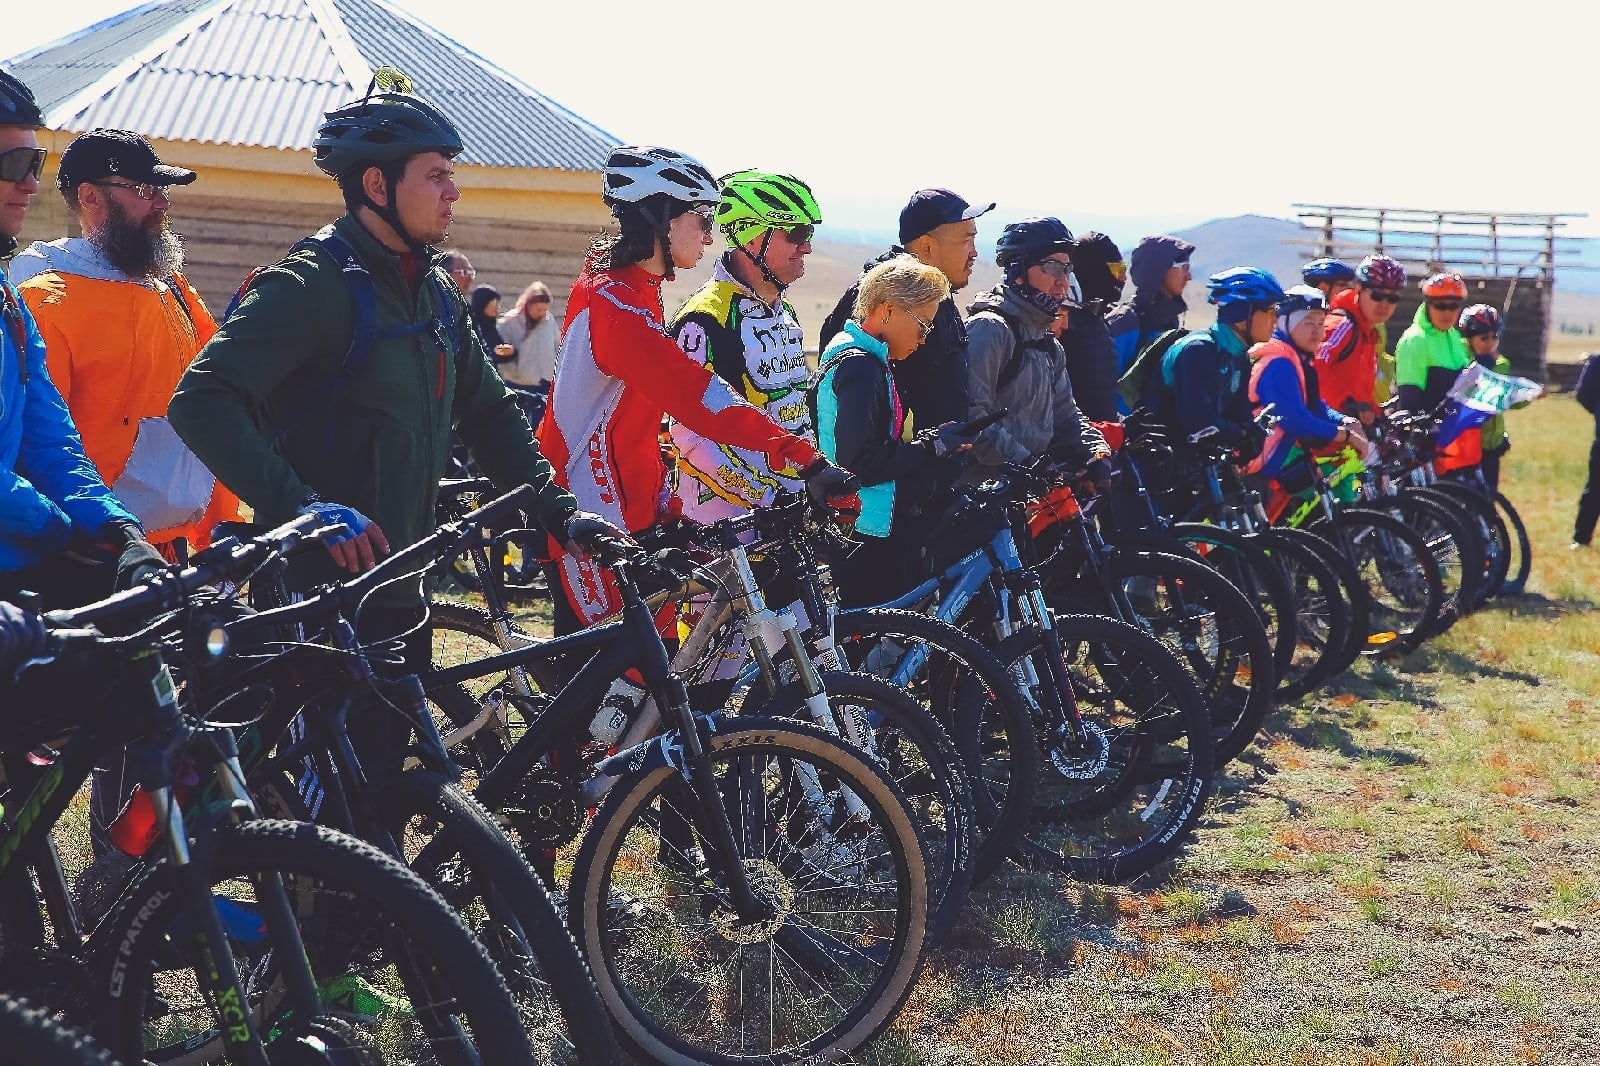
x=1431, y=353
x=289, y=412
x=1480, y=325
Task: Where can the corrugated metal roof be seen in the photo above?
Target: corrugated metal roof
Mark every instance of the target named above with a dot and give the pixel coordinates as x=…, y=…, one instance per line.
x=262, y=72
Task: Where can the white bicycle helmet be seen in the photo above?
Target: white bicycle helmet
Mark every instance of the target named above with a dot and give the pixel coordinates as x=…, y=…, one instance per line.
x=636, y=172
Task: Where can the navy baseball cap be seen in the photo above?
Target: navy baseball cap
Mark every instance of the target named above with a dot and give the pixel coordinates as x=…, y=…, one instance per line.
x=929, y=209
x=101, y=153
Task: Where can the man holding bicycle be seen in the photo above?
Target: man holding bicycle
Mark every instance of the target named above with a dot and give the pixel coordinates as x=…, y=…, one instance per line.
x=334, y=386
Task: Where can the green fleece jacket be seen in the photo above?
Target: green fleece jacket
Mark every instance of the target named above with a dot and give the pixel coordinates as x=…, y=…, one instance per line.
x=382, y=447
x=1429, y=359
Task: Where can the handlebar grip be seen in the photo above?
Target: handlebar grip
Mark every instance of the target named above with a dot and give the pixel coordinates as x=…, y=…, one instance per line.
x=515, y=500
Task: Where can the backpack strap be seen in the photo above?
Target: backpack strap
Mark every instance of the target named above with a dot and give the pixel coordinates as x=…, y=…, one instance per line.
x=11, y=311
x=1019, y=348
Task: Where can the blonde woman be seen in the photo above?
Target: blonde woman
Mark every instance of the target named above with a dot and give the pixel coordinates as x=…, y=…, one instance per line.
x=861, y=426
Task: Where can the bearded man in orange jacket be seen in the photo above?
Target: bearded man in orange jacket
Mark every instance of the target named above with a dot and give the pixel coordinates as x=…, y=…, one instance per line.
x=121, y=324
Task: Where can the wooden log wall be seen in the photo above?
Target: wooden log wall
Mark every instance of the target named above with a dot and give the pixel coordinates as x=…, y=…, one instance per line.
x=226, y=238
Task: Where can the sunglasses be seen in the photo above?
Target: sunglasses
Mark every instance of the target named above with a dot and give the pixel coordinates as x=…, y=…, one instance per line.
x=706, y=214
x=1055, y=268
x=798, y=235
x=924, y=328
x=1444, y=305
x=1383, y=297
x=19, y=163
x=143, y=191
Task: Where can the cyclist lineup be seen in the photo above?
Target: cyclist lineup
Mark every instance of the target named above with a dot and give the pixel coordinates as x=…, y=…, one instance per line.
x=841, y=624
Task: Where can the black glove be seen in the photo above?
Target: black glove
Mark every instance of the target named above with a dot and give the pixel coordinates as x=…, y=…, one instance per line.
x=942, y=440
x=137, y=560
x=833, y=487
x=22, y=637
x=582, y=532
x=1503, y=447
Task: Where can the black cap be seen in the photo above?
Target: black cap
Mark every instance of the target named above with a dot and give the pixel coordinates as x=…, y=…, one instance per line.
x=929, y=209
x=101, y=153
x=17, y=105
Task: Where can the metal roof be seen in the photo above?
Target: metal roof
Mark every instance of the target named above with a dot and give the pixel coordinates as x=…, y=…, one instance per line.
x=263, y=72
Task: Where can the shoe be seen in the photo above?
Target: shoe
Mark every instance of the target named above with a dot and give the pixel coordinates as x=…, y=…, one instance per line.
x=1576, y=545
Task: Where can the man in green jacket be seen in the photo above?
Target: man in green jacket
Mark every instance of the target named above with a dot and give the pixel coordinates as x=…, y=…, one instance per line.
x=296, y=413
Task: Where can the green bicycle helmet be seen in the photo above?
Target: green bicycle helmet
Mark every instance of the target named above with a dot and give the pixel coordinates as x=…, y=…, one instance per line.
x=754, y=200
x=754, y=203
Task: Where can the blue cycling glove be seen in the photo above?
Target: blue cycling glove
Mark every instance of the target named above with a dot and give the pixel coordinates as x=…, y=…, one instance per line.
x=333, y=514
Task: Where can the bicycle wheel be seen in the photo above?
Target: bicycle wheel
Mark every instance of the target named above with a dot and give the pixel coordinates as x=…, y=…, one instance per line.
x=908, y=742
x=385, y=951
x=1208, y=625
x=1520, y=556
x=32, y=1036
x=1455, y=546
x=970, y=691
x=455, y=845
x=1402, y=579
x=1125, y=797
x=463, y=633
x=1322, y=613
x=1241, y=559
x=686, y=980
x=1351, y=590
x=1491, y=528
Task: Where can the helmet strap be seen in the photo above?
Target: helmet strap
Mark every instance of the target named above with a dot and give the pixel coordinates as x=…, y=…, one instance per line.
x=389, y=212
x=759, y=258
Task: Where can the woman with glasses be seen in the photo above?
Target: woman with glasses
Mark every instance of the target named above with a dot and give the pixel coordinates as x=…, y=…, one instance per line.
x=861, y=425
x=619, y=373
x=1015, y=363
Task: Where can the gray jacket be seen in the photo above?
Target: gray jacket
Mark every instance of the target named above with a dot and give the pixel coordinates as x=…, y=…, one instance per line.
x=1043, y=417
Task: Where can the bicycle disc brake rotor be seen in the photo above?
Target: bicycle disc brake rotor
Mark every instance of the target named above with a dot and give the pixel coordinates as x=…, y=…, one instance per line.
x=770, y=887
x=1077, y=761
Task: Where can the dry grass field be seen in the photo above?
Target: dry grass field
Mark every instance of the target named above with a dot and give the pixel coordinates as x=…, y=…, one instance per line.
x=1405, y=870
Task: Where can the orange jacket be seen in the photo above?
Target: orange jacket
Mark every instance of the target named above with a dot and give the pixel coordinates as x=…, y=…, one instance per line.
x=1347, y=361
x=116, y=349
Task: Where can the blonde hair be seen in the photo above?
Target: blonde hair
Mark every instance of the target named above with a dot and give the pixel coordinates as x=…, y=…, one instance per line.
x=902, y=281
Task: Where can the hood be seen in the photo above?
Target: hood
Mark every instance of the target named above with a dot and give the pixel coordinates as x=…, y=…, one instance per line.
x=69, y=255
x=893, y=251
x=1004, y=303
x=1346, y=301
x=1154, y=256
x=853, y=336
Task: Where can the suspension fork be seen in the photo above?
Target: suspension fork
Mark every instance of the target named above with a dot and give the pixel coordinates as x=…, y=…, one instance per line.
x=1029, y=593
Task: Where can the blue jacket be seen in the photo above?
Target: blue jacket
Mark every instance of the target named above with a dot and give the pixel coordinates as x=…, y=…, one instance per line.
x=1205, y=381
x=859, y=422
x=1302, y=416
x=47, y=485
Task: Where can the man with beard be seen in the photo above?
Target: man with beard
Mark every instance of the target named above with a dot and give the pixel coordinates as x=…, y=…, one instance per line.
x=62, y=533
x=120, y=325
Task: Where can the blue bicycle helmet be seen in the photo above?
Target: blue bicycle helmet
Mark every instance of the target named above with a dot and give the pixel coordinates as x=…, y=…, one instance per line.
x=1323, y=271
x=1239, y=291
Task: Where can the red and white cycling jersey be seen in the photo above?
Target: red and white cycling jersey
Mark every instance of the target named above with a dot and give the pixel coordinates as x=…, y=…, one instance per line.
x=617, y=374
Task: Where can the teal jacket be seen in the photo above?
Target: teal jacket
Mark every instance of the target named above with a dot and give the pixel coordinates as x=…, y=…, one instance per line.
x=860, y=422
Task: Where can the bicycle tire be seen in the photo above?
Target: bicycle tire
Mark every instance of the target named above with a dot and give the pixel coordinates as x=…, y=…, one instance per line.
x=969, y=690
x=367, y=894
x=454, y=844
x=605, y=898
x=1107, y=820
x=1455, y=545
x=1352, y=590
x=1209, y=626
x=33, y=1036
x=1403, y=586
x=1241, y=559
x=1322, y=610
x=929, y=773
x=1497, y=538
x=1520, y=557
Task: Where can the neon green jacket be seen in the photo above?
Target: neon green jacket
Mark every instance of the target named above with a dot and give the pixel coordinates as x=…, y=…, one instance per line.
x=1429, y=359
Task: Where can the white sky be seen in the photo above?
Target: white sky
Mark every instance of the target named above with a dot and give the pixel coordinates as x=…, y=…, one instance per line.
x=1149, y=108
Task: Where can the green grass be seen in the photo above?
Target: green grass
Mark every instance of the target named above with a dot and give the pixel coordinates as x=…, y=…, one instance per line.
x=1407, y=865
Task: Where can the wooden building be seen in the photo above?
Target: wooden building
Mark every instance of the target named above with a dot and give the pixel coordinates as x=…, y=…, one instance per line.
x=1508, y=260
x=235, y=89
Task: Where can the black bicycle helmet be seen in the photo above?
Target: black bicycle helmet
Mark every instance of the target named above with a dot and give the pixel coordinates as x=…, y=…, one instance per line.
x=383, y=129
x=17, y=105
x=1027, y=242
